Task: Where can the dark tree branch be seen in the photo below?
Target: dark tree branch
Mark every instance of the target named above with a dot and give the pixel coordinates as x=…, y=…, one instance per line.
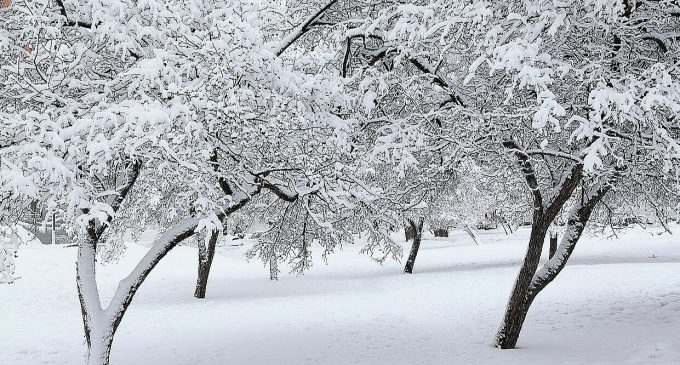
x=304, y=28
x=659, y=42
x=222, y=182
x=575, y=226
x=385, y=51
x=83, y=24
x=554, y=154
x=95, y=232
x=438, y=80
x=277, y=190
x=71, y=23
x=566, y=188
x=528, y=170
x=346, y=59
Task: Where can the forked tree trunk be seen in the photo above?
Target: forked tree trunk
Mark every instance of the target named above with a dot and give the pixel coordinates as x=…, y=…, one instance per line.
x=506, y=226
x=205, y=259
x=544, y=214
x=100, y=324
x=98, y=338
x=417, y=228
x=529, y=282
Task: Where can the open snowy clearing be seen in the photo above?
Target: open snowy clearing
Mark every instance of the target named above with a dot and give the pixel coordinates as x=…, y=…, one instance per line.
x=618, y=301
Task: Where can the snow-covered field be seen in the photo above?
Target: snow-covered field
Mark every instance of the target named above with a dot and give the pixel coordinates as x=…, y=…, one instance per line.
x=617, y=302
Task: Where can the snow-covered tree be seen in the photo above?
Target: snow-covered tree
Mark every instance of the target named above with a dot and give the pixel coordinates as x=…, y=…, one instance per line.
x=596, y=84
x=581, y=96
x=339, y=119
x=174, y=113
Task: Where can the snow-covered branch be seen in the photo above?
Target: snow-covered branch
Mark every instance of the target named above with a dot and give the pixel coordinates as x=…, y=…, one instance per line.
x=563, y=191
x=127, y=288
x=302, y=28
x=554, y=154
x=576, y=223
x=523, y=161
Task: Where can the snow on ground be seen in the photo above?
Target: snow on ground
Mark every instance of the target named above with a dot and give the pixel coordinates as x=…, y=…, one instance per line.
x=617, y=302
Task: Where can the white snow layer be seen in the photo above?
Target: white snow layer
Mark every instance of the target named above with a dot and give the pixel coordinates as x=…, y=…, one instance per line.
x=616, y=302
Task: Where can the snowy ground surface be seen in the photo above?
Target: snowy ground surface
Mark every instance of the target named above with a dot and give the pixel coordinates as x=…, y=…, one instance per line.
x=617, y=302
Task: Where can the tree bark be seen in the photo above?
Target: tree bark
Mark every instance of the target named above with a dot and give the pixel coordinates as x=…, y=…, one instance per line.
x=98, y=339
x=544, y=213
x=518, y=306
x=100, y=324
x=205, y=259
x=86, y=283
x=99, y=351
x=417, y=228
x=53, y=237
x=521, y=299
x=553, y=245
x=576, y=223
x=441, y=232
x=409, y=233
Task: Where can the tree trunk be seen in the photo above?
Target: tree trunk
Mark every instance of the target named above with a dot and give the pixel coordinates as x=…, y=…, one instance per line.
x=518, y=305
x=576, y=223
x=205, y=259
x=506, y=225
x=100, y=324
x=529, y=282
x=544, y=214
x=472, y=234
x=417, y=228
x=553, y=245
x=86, y=282
x=98, y=345
x=99, y=350
x=409, y=232
x=54, y=228
x=441, y=232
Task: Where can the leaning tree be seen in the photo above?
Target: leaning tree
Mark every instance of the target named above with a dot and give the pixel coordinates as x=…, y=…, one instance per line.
x=580, y=97
x=586, y=102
